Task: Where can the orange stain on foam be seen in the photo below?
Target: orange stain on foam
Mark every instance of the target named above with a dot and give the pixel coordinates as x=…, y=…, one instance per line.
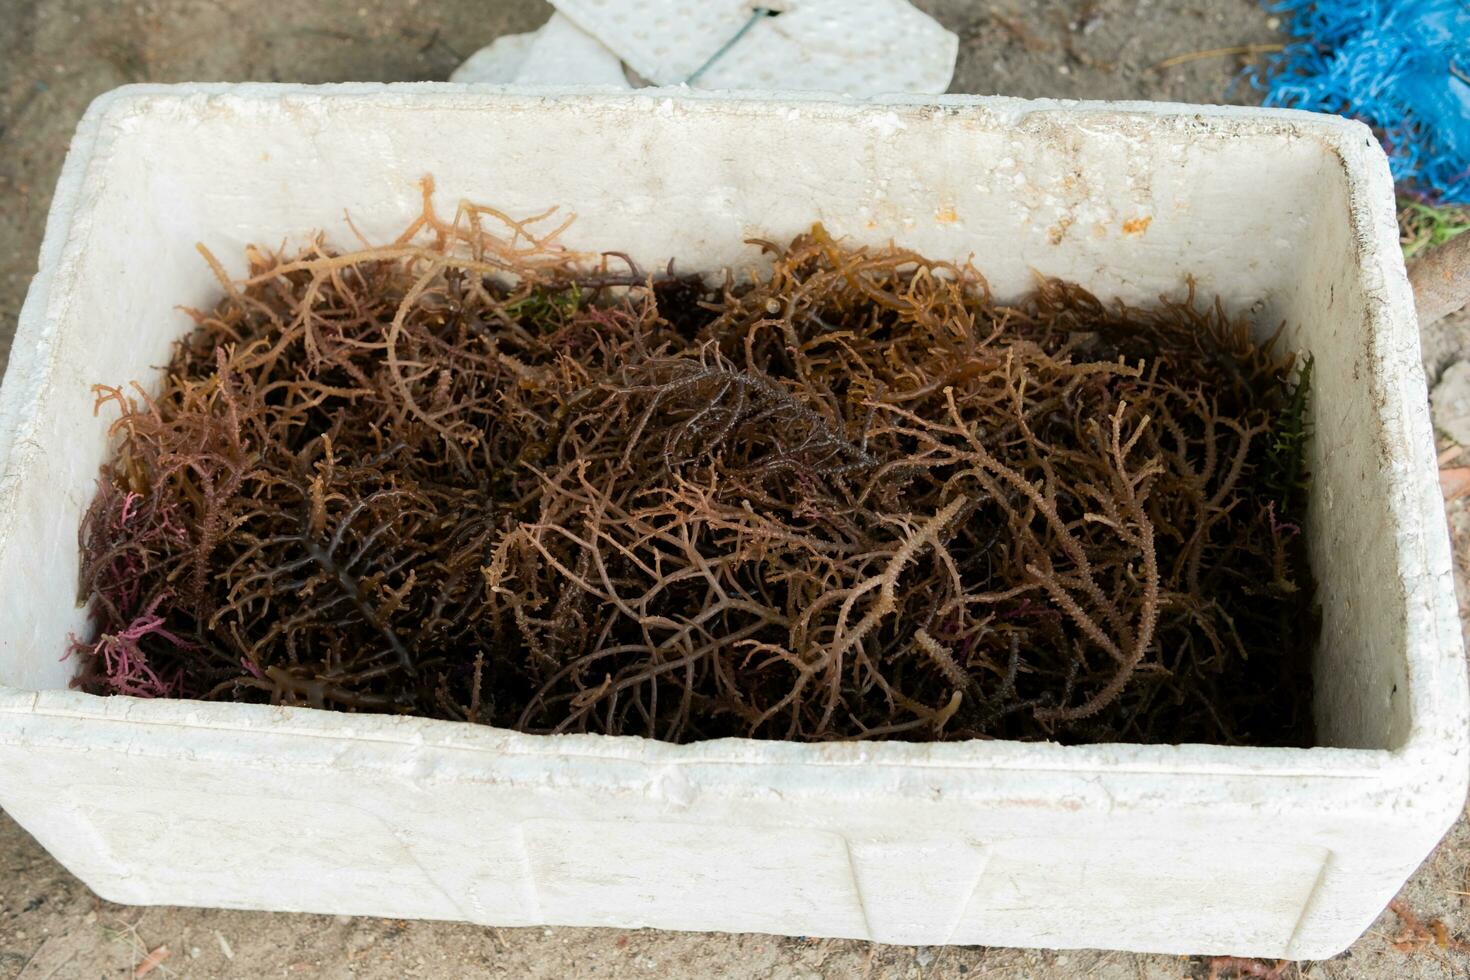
x=1137, y=226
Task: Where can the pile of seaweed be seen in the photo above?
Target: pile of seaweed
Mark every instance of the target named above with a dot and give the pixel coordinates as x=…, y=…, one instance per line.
x=474, y=476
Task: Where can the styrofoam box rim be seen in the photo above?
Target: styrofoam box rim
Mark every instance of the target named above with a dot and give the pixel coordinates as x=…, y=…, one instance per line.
x=1427, y=771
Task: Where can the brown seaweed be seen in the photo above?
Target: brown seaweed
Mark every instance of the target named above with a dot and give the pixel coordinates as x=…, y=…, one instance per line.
x=473, y=476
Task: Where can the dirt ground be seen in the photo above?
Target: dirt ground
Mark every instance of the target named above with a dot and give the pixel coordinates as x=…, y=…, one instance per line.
x=56, y=55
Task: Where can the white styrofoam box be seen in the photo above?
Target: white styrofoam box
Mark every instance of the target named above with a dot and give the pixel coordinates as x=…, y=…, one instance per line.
x=1188, y=849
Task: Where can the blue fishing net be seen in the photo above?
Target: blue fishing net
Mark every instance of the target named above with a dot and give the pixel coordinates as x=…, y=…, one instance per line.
x=1402, y=66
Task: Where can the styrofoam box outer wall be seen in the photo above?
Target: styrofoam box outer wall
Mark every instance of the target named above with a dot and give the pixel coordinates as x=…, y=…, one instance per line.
x=1188, y=849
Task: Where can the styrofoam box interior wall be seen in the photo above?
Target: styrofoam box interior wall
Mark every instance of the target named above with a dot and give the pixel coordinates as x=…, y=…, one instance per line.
x=1185, y=849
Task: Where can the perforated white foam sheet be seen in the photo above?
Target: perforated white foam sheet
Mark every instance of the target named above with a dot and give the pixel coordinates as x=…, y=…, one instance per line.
x=858, y=47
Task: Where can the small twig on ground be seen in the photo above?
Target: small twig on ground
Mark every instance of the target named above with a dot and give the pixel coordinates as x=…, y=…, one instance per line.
x=150, y=962
x=145, y=962
x=1017, y=29
x=37, y=955
x=57, y=968
x=27, y=965
x=1236, y=49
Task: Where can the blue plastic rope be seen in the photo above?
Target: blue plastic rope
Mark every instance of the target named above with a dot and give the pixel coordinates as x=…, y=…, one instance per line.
x=1402, y=66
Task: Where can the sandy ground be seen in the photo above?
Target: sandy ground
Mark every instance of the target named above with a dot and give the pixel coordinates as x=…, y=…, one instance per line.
x=56, y=56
